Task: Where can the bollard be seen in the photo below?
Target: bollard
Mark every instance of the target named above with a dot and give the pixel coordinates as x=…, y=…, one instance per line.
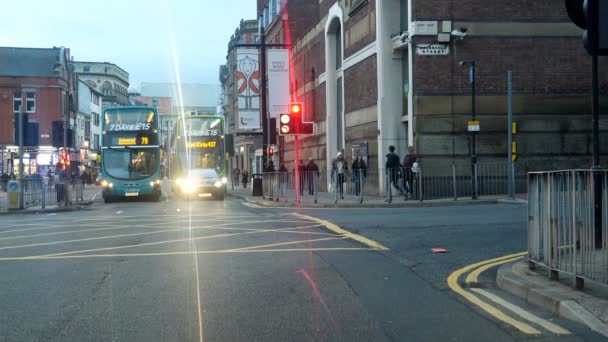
x=454, y=182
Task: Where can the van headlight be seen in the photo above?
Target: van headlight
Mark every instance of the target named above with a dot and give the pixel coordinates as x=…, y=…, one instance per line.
x=218, y=184
x=224, y=180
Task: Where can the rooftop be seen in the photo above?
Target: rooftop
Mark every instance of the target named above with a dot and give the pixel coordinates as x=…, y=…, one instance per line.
x=28, y=62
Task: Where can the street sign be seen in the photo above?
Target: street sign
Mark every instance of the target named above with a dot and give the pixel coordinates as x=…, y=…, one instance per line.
x=473, y=125
x=14, y=192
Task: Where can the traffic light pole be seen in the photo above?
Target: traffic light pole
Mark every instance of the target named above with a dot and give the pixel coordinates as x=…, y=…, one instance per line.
x=66, y=122
x=595, y=169
x=265, y=125
x=21, y=151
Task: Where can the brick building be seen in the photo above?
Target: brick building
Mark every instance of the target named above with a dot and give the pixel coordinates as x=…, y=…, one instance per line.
x=378, y=73
x=41, y=82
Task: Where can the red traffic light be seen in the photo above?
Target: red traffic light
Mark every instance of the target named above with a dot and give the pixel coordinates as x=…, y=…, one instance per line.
x=284, y=129
x=295, y=108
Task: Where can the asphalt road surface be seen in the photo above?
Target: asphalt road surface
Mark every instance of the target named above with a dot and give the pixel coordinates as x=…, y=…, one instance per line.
x=229, y=271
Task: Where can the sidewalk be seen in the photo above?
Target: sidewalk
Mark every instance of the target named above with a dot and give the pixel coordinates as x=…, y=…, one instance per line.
x=328, y=200
x=89, y=195
x=588, y=306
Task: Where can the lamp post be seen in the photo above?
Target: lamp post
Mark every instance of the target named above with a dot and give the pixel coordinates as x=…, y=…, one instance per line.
x=472, y=132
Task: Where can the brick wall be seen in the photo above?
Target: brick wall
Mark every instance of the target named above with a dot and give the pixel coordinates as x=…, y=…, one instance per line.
x=324, y=7
x=361, y=85
x=303, y=15
x=359, y=30
x=490, y=9
x=540, y=66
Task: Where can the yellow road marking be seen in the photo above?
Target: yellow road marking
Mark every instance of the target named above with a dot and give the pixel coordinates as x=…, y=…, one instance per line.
x=523, y=313
x=473, y=277
x=285, y=243
x=336, y=229
x=84, y=256
x=453, y=284
x=178, y=240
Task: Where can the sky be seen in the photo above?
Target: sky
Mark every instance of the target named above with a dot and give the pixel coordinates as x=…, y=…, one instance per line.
x=144, y=37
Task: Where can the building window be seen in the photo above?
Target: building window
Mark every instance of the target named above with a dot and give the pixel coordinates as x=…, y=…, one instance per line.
x=106, y=70
x=17, y=101
x=95, y=119
x=86, y=68
x=30, y=104
x=96, y=142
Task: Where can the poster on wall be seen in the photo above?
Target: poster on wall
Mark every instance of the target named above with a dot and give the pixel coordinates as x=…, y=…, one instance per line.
x=278, y=82
x=248, y=89
x=360, y=149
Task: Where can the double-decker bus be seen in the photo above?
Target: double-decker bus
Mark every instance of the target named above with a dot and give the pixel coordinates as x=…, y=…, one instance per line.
x=198, y=143
x=130, y=160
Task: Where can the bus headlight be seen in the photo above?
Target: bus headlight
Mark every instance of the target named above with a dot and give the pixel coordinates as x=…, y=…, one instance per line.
x=106, y=184
x=218, y=184
x=156, y=182
x=224, y=180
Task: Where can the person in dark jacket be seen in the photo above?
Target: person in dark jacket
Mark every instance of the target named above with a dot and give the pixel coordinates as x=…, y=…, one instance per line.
x=359, y=173
x=312, y=174
x=393, y=165
x=408, y=164
x=245, y=178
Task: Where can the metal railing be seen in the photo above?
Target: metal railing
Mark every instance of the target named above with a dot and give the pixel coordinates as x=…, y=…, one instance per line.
x=41, y=192
x=566, y=233
x=422, y=183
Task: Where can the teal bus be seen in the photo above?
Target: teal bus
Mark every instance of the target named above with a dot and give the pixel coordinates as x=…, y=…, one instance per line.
x=198, y=143
x=130, y=153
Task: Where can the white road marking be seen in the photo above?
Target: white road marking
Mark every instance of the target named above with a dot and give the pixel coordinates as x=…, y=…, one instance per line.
x=52, y=214
x=119, y=212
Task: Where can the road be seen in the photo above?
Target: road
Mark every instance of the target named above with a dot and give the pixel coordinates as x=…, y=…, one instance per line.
x=229, y=271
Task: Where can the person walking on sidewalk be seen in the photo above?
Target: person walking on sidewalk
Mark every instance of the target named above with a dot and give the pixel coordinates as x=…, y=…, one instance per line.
x=282, y=178
x=312, y=174
x=359, y=173
x=235, y=177
x=338, y=172
x=393, y=166
x=408, y=164
x=245, y=178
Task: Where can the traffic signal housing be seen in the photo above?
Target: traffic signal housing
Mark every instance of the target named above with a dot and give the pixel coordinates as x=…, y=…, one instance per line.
x=292, y=123
x=57, y=135
x=591, y=16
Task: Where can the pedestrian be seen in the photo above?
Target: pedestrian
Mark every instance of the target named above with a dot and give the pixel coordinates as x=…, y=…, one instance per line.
x=5, y=178
x=393, y=165
x=245, y=178
x=359, y=173
x=408, y=163
x=270, y=166
x=49, y=176
x=60, y=179
x=235, y=177
x=312, y=174
x=283, y=178
x=338, y=173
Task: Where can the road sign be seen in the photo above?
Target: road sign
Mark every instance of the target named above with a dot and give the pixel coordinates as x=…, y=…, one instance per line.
x=13, y=186
x=473, y=125
x=14, y=192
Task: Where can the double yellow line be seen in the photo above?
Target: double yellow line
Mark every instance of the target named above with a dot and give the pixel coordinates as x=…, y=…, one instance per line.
x=473, y=278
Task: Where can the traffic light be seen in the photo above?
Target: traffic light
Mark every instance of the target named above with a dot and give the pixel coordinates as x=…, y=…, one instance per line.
x=591, y=16
x=57, y=135
x=65, y=160
x=270, y=151
x=285, y=124
x=293, y=123
x=16, y=128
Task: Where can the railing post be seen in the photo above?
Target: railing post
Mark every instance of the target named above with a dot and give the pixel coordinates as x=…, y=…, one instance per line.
x=43, y=196
x=454, y=181
x=475, y=181
x=420, y=190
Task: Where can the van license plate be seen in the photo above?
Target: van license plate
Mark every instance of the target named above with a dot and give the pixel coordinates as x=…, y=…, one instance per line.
x=132, y=194
x=204, y=195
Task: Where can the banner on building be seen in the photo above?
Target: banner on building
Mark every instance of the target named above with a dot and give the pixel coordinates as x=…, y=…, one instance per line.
x=278, y=82
x=248, y=89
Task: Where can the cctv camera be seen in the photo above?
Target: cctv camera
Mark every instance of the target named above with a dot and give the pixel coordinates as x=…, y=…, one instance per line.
x=459, y=34
x=461, y=63
x=404, y=36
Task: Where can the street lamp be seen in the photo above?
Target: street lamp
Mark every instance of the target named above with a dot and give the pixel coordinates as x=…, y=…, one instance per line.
x=472, y=132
